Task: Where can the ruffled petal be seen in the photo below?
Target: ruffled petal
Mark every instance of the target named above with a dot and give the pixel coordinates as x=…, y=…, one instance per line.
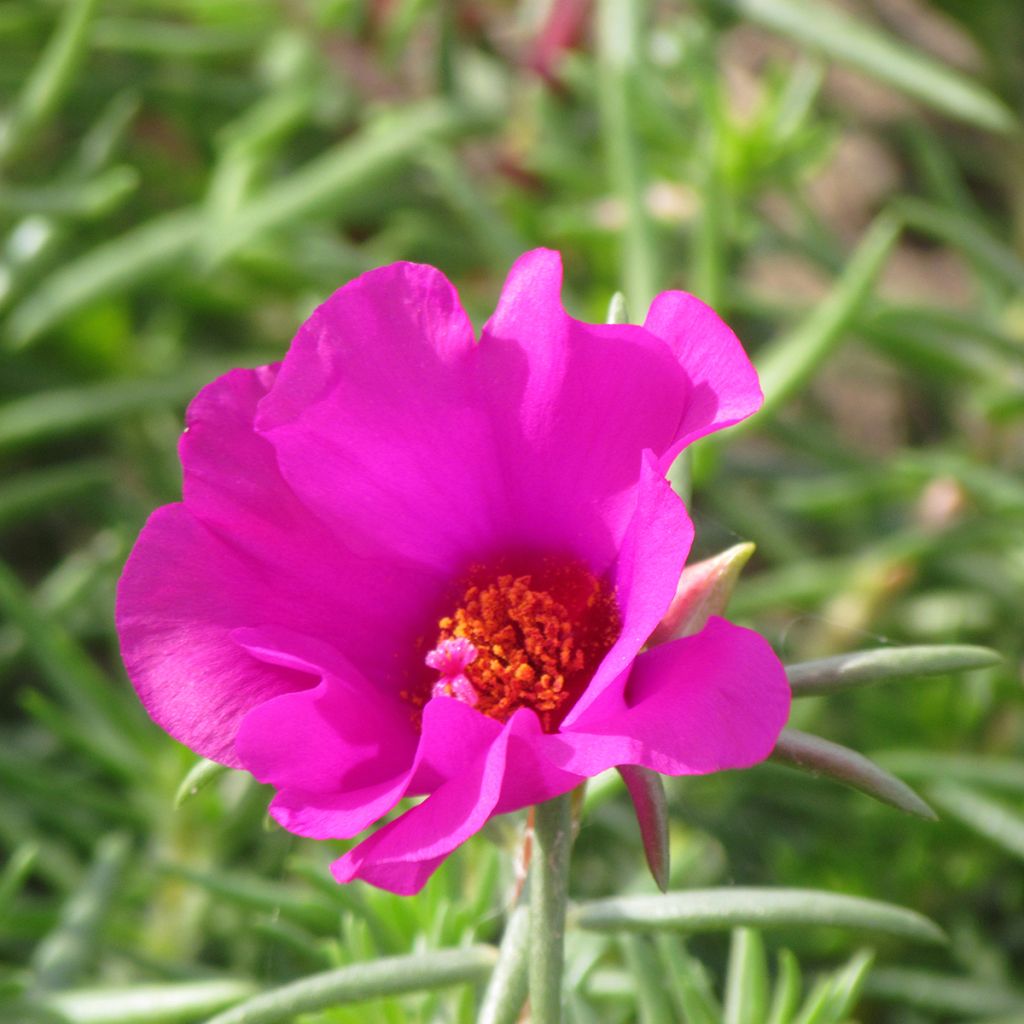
x=342, y=754
x=181, y=593
x=402, y=855
x=723, y=383
x=573, y=406
x=243, y=551
x=701, y=704
x=339, y=754
x=377, y=425
x=645, y=576
x=230, y=475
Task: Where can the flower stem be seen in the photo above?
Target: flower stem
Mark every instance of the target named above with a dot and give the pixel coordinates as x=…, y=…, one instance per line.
x=549, y=888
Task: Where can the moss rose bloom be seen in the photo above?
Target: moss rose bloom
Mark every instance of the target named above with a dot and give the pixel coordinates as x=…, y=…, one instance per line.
x=408, y=563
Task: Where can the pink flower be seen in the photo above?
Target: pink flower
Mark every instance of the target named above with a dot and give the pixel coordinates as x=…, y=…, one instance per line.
x=411, y=564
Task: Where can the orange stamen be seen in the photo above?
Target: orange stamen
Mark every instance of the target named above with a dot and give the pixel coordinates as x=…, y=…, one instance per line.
x=538, y=638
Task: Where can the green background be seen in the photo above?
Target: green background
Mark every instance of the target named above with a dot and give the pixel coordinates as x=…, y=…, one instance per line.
x=181, y=181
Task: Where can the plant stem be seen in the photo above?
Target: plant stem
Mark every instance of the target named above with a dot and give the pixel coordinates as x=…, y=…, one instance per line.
x=549, y=887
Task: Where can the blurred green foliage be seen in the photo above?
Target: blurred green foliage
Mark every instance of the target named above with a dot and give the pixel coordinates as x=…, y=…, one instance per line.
x=182, y=180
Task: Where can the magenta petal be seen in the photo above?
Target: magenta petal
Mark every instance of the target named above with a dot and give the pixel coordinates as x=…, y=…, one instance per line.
x=724, y=385
x=231, y=479
x=242, y=552
x=181, y=594
x=377, y=425
x=401, y=855
x=652, y=554
x=338, y=754
x=705, y=703
x=573, y=407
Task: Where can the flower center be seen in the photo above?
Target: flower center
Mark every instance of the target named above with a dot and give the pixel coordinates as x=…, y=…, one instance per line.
x=525, y=639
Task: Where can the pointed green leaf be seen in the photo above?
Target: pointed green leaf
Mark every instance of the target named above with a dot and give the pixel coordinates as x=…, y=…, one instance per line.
x=257, y=893
x=822, y=757
x=949, y=995
x=746, y=982
x=27, y=493
x=989, y=818
x=388, y=976
x=824, y=28
x=862, y=668
x=617, y=312
x=113, y=267
x=995, y=772
x=199, y=776
x=63, y=411
x=651, y=999
x=717, y=909
x=49, y=80
x=786, y=997
x=832, y=1000
x=148, y=1004
x=787, y=363
x=63, y=954
x=648, y=795
x=17, y=869
x=336, y=176
x=688, y=981
x=947, y=224
x=71, y=671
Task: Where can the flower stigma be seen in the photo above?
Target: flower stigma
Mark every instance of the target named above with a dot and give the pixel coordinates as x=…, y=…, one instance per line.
x=525, y=639
x=450, y=658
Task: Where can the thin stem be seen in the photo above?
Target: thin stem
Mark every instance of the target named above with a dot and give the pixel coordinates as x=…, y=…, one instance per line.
x=549, y=887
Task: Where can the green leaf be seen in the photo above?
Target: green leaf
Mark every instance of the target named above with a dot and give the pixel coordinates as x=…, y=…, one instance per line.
x=786, y=364
x=199, y=776
x=337, y=177
x=388, y=976
x=982, y=814
x=746, y=982
x=946, y=994
x=52, y=488
x=617, y=312
x=652, y=1002
x=717, y=909
x=65, y=952
x=89, y=199
x=70, y=410
x=151, y=248
x=76, y=677
x=15, y=872
x=965, y=233
x=688, y=981
x=786, y=996
x=861, y=668
x=822, y=757
x=999, y=773
x=49, y=80
x=825, y=29
x=832, y=1000
x=257, y=893
x=648, y=795
x=148, y=1004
